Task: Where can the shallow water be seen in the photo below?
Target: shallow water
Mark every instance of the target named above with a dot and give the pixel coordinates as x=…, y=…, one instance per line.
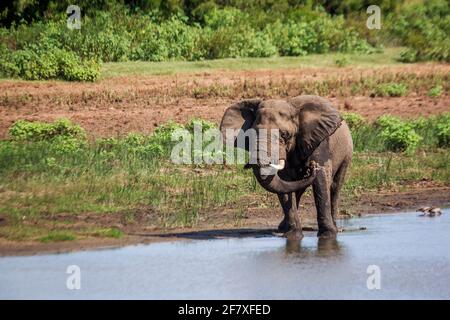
x=412, y=253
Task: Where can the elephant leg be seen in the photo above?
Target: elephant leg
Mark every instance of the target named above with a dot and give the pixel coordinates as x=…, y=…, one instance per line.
x=291, y=224
x=335, y=189
x=322, y=199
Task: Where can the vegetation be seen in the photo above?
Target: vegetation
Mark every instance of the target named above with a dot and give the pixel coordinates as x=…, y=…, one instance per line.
x=35, y=42
x=122, y=177
x=333, y=59
x=391, y=90
x=435, y=91
x=424, y=28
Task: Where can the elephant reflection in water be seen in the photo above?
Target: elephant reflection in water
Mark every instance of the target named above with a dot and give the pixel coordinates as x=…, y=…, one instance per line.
x=326, y=247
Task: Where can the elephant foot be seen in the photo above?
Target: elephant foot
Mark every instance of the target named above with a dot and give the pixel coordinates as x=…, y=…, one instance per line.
x=294, y=234
x=283, y=227
x=327, y=233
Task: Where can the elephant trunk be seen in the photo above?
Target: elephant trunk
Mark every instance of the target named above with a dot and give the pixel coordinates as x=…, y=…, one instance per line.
x=275, y=184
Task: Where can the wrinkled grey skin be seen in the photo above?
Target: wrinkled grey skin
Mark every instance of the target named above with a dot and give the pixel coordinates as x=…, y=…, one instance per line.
x=311, y=130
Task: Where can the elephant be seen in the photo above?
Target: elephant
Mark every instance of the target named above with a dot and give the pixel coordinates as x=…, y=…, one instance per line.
x=315, y=149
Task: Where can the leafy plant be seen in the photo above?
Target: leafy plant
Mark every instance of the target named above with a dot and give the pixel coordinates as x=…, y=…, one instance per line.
x=408, y=56
x=398, y=135
x=353, y=120
x=24, y=130
x=391, y=90
x=63, y=135
x=443, y=130
x=436, y=91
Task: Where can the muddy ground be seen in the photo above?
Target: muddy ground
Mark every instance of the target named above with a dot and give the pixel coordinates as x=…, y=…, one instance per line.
x=117, y=106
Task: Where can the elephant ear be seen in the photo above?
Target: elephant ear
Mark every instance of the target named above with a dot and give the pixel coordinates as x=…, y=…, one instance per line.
x=318, y=119
x=239, y=116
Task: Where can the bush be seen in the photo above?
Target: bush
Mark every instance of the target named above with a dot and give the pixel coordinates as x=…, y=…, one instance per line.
x=24, y=130
x=32, y=64
x=44, y=62
x=63, y=135
x=398, y=135
x=443, y=130
x=408, y=56
x=173, y=39
x=353, y=120
x=423, y=28
x=72, y=69
x=436, y=91
x=391, y=90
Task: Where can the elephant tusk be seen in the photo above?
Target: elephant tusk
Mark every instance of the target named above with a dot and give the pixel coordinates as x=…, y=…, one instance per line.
x=278, y=166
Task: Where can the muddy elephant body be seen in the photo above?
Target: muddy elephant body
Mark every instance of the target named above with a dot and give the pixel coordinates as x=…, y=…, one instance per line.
x=311, y=131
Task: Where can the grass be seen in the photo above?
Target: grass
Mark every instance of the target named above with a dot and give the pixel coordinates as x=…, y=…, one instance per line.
x=179, y=197
x=386, y=58
x=108, y=233
x=55, y=236
x=45, y=193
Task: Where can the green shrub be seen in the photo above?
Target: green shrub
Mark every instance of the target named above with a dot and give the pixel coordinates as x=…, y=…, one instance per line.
x=398, y=135
x=436, y=91
x=34, y=63
x=391, y=90
x=423, y=28
x=353, y=120
x=201, y=123
x=63, y=135
x=24, y=130
x=72, y=69
x=236, y=41
x=408, y=56
x=43, y=62
x=163, y=133
x=173, y=39
x=443, y=130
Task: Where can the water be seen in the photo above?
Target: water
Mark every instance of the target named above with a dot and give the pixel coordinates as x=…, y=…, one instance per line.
x=412, y=254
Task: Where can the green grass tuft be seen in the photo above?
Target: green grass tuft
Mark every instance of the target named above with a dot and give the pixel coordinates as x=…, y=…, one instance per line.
x=56, y=236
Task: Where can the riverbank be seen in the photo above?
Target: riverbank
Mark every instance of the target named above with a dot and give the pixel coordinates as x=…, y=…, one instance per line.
x=257, y=222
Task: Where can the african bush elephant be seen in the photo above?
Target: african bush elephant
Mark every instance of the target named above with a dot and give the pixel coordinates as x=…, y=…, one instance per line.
x=311, y=132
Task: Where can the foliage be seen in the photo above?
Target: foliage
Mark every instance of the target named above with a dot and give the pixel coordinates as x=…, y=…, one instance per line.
x=424, y=28
x=62, y=135
x=42, y=63
x=398, y=135
x=443, y=130
x=353, y=120
x=28, y=131
x=48, y=50
x=436, y=91
x=391, y=90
